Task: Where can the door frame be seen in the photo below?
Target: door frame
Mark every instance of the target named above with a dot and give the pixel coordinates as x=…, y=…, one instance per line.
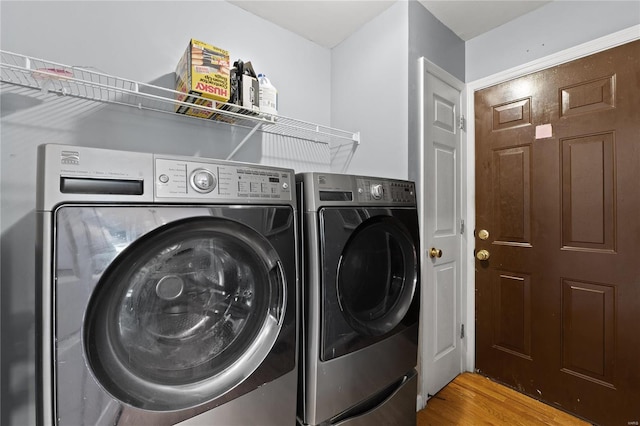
x=468, y=152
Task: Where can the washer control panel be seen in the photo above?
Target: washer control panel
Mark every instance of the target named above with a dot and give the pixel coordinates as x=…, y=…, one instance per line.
x=220, y=180
x=203, y=180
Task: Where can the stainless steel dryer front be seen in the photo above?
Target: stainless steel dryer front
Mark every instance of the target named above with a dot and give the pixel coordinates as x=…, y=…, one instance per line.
x=168, y=290
x=360, y=302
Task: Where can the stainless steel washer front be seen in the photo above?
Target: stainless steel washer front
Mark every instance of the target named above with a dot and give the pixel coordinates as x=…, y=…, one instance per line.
x=163, y=304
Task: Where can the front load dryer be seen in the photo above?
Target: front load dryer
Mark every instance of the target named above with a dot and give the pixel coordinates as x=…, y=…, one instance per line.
x=167, y=290
x=360, y=304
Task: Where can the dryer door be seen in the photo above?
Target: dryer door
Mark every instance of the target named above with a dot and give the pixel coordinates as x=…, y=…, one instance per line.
x=185, y=313
x=370, y=259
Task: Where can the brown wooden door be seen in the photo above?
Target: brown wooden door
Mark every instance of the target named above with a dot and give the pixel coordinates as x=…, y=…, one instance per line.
x=558, y=190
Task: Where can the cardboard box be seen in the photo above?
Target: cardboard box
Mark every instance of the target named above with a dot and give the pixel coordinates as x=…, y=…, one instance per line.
x=202, y=71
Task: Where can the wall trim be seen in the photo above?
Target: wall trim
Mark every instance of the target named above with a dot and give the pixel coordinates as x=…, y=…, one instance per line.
x=567, y=55
x=585, y=49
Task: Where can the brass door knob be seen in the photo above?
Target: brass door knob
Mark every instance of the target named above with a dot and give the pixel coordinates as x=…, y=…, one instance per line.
x=483, y=254
x=434, y=252
x=483, y=234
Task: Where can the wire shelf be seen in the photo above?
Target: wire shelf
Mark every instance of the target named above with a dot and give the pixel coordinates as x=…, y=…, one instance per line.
x=86, y=83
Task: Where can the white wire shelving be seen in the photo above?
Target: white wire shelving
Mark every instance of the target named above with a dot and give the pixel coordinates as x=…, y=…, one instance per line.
x=85, y=83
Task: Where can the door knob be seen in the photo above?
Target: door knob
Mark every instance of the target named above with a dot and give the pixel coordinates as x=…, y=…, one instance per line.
x=483, y=234
x=483, y=254
x=434, y=252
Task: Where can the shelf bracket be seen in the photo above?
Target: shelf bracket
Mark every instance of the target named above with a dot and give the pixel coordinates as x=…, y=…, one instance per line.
x=356, y=138
x=350, y=156
x=243, y=141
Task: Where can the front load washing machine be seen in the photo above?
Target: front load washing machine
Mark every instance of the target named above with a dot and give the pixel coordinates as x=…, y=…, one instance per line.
x=167, y=290
x=360, y=303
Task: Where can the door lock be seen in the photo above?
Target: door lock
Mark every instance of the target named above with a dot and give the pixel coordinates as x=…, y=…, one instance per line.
x=483, y=254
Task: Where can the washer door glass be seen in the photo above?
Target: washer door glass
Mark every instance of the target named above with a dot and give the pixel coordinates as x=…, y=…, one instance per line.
x=185, y=314
x=377, y=276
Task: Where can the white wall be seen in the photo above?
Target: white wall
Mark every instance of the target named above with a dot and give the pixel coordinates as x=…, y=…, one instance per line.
x=369, y=92
x=141, y=41
x=429, y=38
x=550, y=29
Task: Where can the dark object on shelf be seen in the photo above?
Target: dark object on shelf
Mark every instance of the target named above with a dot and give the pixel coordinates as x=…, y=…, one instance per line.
x=245, y=90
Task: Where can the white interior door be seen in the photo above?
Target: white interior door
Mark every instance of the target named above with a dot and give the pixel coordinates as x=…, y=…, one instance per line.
x=440, y=221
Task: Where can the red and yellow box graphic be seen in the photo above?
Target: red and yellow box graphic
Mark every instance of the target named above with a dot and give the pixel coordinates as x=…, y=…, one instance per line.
x=202, y=72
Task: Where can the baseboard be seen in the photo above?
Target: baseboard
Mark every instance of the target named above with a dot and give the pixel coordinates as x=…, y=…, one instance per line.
x=420, y=402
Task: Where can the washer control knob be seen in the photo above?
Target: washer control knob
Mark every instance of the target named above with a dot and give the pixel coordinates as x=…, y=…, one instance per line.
x=377, y=191
x=285, y=185
x=202, y=180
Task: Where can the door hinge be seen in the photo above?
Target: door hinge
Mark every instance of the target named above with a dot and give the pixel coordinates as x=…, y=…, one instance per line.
x=462, y=331
x=462, y=125
x=461, y=226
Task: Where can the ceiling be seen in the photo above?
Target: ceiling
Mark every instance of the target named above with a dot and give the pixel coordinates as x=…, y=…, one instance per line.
x=329, y=22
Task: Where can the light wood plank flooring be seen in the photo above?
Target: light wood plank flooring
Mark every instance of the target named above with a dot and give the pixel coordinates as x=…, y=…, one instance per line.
x=472, y=399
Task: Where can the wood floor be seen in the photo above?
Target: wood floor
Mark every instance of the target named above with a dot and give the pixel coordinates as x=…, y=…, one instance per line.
x=472, y=399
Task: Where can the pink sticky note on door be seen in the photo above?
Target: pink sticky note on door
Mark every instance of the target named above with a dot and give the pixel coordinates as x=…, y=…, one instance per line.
x=544, y=131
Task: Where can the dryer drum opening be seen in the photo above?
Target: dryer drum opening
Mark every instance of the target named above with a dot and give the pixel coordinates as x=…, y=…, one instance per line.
x=377, y=276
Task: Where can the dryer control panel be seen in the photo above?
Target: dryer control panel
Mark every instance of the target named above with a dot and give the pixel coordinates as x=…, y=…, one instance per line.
x=219, y=180
x=332, y=189
x=385, y=190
